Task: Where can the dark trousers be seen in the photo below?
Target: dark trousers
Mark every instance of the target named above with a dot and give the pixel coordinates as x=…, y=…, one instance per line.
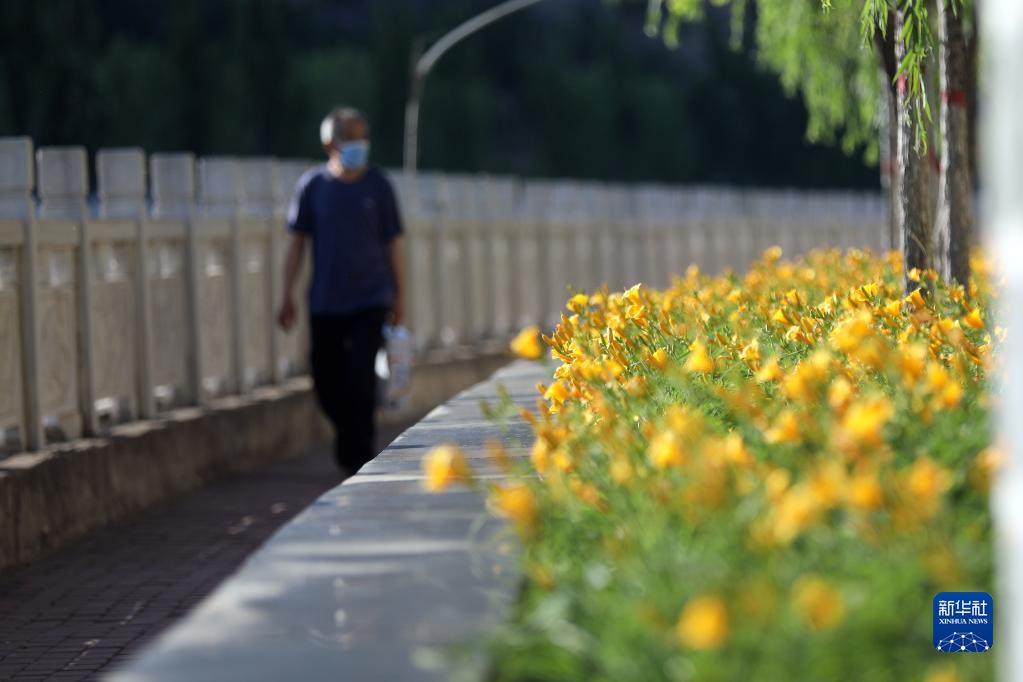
x=344, y=349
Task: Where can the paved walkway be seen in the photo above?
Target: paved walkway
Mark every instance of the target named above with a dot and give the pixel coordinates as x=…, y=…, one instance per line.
x=90, y=605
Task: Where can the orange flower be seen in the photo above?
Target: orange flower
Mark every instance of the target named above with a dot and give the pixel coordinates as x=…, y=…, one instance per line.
x=699, y=359
x=785, y=429
x=515, y=501
x=820, y=604
x=444, y=465
x=527, y=344
x=703, y=624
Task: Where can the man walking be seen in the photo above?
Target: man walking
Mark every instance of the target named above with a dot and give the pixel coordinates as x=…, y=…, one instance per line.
x=348, y=210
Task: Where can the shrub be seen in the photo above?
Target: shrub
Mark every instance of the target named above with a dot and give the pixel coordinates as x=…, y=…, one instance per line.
x=764, y=477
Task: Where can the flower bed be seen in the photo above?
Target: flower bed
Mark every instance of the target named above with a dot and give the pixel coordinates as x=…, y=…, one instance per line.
x=764, y=477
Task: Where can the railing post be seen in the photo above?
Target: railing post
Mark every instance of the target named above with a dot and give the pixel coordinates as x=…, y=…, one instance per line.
x=121, y=185
x=173, y=179
x=63, y=185
x=16, y=173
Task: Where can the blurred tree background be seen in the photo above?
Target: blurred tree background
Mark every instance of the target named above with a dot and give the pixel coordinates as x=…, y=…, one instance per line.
x=569, y=88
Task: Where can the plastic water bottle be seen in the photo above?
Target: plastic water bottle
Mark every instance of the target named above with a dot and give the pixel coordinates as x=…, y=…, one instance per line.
x=397, y=375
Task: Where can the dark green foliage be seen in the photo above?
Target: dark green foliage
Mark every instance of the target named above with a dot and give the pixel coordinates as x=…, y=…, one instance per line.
x=569, y=88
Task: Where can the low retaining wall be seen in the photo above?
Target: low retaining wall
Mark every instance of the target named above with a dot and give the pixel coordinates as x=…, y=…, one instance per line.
x=373, y=581
x=50, y=497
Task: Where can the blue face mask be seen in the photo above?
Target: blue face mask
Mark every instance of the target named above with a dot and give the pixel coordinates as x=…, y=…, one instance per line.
x=354, y=155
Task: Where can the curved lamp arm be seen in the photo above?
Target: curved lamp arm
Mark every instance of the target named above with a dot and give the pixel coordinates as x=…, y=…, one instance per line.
x=430, y=57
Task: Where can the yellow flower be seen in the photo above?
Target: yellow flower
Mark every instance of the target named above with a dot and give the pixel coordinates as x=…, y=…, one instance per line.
x=820, y=604
x=794, y=386
x=633, y=295
x=515, y=501
x=944, y=673
x=865, y=492
x=988, y=462
x=828, y=483
x=527, y=344
x=666, y=450
x=865, y=419
x=795, y=509
x=851, y=331
x=563, y=461
x=613, y=369
x=916, y=300
x=785, y=429
x=683, y=421
x=772, y=254
x=659, y=359
x=699, y=360
x=840, y=392
x=444, y=465
x=780, y=317
x=578, y=303
x=735, y=450
x=776, y=483
x=912, y=360
x=926, y=479
x=621, y=471
x=974, y=320
x=751, y=353
x=540, y=456
x=637, y=313
x=557, y=393
x=703, y=624
x=937, y=377
x=951, y=395
x=770, y=371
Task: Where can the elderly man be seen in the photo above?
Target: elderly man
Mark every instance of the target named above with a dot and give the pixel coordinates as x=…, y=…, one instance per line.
x=347, y=209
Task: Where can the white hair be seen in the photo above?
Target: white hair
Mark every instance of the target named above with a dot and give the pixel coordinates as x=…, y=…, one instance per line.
x=334, y=121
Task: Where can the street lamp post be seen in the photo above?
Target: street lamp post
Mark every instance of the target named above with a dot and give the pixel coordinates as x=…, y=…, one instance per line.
x=429, y=58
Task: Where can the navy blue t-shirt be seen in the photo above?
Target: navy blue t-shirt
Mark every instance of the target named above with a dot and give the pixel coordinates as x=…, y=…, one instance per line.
x=351, y=224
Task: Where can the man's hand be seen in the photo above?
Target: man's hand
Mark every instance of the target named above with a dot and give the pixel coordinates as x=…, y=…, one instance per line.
x=398, y=311
x=286, y=314
x=292, y=265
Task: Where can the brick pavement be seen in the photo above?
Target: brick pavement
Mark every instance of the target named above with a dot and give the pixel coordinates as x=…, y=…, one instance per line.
x=90, y=605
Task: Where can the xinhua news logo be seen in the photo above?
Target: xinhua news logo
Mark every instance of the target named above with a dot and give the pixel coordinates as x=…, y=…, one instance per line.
x=964, y=622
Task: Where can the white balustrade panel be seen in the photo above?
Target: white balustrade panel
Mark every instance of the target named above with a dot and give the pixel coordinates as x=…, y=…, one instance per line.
x=168, y=292
x=256, y=305
x=63, y=317
x=17, y=211
x=12, y=413
x=169, y=296
x=216, y=309
x=112, y=247
x=499, y=195
x=58, y=312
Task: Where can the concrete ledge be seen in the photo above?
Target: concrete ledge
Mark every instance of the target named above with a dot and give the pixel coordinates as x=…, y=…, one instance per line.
x=374, y=581
x=50, y=497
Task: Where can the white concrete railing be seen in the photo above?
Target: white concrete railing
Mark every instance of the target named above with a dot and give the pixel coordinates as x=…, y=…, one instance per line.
x=163, y=294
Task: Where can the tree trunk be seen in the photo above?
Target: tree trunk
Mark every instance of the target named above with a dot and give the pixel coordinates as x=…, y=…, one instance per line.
x=954, y=229
x=912, y=180
x=888, y=124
